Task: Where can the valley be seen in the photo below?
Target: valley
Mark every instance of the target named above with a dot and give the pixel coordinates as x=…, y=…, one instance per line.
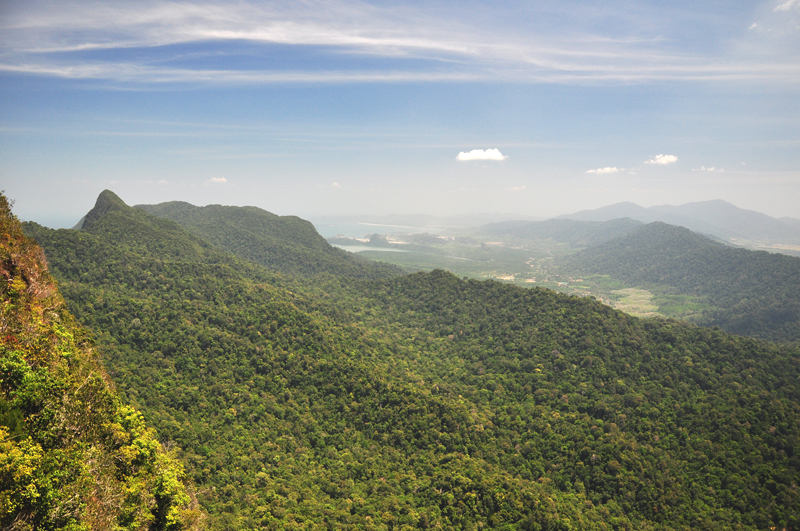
x=687, y=275
x=356, y=395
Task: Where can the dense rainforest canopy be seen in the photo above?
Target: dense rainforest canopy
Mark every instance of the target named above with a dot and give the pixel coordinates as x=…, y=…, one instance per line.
x=72, y=454
x=427, y=401
x=753, y=293
x=287, y=244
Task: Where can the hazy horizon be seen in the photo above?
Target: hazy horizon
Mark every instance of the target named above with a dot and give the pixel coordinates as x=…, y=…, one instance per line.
x=364, y=219
x=440, y=108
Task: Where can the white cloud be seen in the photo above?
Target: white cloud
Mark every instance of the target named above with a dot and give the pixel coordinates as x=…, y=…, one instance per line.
x=336, y=185
x=162, y=181
x=662, y=160
x=52, y=39
x=712, y=169
x=481, y=154
x=516, y=188
x=607, y=169
x=786, y=6
x=218, y=180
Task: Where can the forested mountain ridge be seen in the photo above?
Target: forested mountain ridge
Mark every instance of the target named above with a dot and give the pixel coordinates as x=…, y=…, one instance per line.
x=427, y=401
x=284, y=417
x=287, y=244
x=752, y=292
x=113, y=220
x=72, y=454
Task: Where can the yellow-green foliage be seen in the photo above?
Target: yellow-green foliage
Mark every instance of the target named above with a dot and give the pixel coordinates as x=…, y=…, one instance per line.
x=72, y=456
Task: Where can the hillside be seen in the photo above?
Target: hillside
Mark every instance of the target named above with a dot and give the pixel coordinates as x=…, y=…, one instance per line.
x=286, y=244
x=283, y=415
x=72, y=454
x=428, y=401
x=751, y=292
x=717, y=218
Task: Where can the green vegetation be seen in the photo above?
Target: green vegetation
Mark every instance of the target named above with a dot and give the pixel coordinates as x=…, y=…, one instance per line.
x=744, y=292
x=684, y=307
x=638, y=302
x=286, y=244
x=689, y=276
x=429, y=401
x=517, y=252
x=72, y=454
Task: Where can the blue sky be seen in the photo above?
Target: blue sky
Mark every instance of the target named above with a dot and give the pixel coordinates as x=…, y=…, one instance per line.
x=324, y=108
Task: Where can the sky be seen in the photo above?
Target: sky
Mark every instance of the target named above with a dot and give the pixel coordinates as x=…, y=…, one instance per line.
x=331, y=107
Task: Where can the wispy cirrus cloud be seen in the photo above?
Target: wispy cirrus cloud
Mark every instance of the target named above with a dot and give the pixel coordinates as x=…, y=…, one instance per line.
x=136, y=73
x=80, y=26
x=169, y=42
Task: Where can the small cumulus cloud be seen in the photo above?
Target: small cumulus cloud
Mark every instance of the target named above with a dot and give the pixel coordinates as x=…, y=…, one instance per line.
x=607, y=169
x=218, y=180
x=481, y=154
x=662, y=160
x=516, y=188
x=162, y=181
x=711, y=169
x=336, y=185
x=786, y=6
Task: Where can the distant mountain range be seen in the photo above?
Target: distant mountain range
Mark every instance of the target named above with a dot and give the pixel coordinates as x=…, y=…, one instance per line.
x=716, y=218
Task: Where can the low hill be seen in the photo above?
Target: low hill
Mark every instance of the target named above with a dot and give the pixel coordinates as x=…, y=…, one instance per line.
x=287, y=244
x=72, y=454
x=753, y=292
x=427, y=401
x=717, y=218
